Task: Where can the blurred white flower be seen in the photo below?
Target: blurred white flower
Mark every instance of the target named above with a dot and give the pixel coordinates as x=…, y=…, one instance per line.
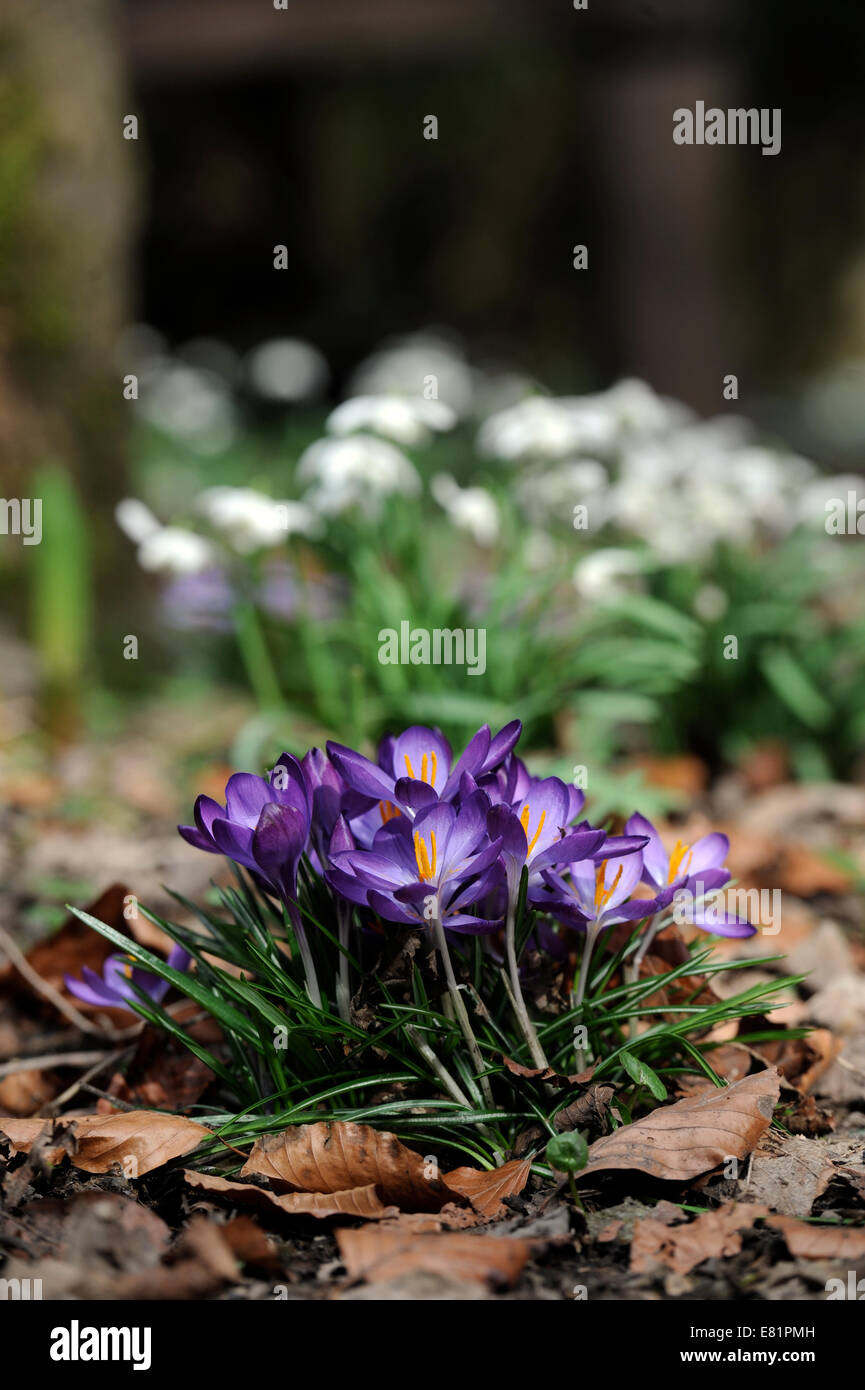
x=471, y=509
x=710, y=603
x=357, y=471
x=546, y=493
x=287, y=369
x=548, y=427
x=172, y=550
x=251, y=521
x=813, y=503
x=607, y=573
x=408, y=366
x=406, y=419
x=192, y=405
x=639, y=411
x=135, y=520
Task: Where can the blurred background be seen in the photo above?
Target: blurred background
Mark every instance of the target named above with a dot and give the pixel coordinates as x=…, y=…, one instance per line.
x=219, y=219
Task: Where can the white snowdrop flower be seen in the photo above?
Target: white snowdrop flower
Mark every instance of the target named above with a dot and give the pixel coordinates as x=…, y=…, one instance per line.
x=547, y=492
x=548, y=427
x=172, y=550
x=356, y=471
x=300, y=520
x=405, y=419
x=287, y=369
x=471, y=509
x=607, y=573
x=135, y=520
x=640, y=411
x=815, y=502
x=249, y=520
x=192, y=405
x=409, y=366
x=710, y=603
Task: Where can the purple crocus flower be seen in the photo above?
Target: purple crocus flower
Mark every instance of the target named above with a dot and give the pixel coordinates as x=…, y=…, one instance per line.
x=415, y=769
x=113, y=989
x=436, y=867
x=534, y=829
x=691, y=873
x=264, y=824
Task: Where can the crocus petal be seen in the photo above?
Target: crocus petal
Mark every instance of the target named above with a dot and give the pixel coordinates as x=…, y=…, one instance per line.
x=423, y=754
x=92, y=990
x=709, y=852
x=245, y=797
x=656, y=861
x=193, y=836
x=570, y=849
x=713, y=919
x=390, y=910
x=360, y=774
x=279, y=840
x=414, y=795
x=235, y=842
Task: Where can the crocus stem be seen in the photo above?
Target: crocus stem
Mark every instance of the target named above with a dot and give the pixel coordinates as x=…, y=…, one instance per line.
x=343, y=989
x=312, y=988
x=460, y=1009
x=256, y=657
x=592, y=934
x=519, y=1003
x=632, y=970
x=439, y=1068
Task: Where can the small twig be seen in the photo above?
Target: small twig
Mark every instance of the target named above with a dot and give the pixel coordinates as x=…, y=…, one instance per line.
x=105, y=1095
x=47, y=991
x=52, y=1059
x=105, y=1060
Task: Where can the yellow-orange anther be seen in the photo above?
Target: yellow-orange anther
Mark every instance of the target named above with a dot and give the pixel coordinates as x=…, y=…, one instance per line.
x=425, y=858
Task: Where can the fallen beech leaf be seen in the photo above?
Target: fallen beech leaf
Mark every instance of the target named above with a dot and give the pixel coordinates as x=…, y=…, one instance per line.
x=341, y=1155
x=485, y=1190
x=697, y=1134
x=139, y=1140
x=357, y=1201
x=547, y=1073
x=26, y=1091
x=820, y=1242
x=74, y=945
x=250, y=1245
x=373, y=1254
x=789, y=1173
x=682, y=1247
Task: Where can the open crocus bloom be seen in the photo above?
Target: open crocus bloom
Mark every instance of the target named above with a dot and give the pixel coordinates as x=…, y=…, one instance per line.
x=414, y=771
x=113, y=989
x=439, y=865
x=691, y=874
x=596, y=892
x=702, y=860
x=264, y=824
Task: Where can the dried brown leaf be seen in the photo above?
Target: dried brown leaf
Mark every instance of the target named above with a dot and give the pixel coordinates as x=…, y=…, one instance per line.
x=356, y=1201
x=139, y=1140
x=682, y=1247
x=820, y=1242
x=486, y=1190
x=341, y=1155
x=375, y=1255
x=677, y=1142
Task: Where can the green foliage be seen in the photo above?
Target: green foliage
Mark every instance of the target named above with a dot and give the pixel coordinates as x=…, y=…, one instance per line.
x=401, y=1060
